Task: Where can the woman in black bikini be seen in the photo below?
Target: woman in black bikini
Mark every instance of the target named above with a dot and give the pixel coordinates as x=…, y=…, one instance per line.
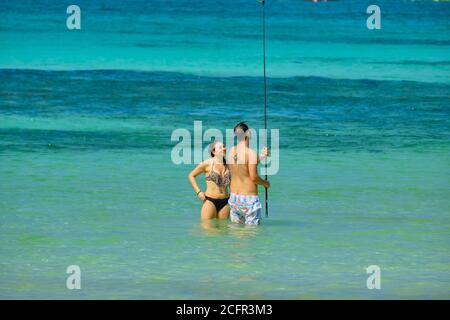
x=218, y=177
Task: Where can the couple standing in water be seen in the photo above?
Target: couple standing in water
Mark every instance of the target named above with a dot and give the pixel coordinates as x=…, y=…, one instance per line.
x=239, y=173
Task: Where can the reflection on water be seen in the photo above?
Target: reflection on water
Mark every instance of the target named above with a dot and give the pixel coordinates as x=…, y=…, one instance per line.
x=243, y=231
x=224, y=227
x=214, y=227
x=234, y=245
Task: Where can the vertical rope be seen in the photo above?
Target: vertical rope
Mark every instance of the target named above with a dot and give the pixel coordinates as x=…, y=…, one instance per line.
x=265, y=98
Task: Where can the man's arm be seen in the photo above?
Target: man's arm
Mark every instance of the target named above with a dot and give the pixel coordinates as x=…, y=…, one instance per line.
x=253, y=170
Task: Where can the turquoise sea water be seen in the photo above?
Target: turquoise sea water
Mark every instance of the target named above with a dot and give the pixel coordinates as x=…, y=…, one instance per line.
x=223, y=37
x=86, y=176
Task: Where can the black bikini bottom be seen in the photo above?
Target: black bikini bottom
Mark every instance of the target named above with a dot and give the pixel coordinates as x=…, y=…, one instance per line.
x=218, y=203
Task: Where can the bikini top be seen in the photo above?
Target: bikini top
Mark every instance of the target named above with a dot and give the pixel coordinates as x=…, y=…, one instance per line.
x=221, y=181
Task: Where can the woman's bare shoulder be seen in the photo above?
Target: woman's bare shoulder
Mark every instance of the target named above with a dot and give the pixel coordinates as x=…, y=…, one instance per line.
x=206, y=163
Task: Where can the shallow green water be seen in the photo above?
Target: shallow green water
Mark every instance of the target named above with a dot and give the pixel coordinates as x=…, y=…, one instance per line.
x=133, y=229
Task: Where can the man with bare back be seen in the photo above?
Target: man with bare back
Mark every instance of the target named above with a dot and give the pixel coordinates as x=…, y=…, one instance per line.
x=245, y=206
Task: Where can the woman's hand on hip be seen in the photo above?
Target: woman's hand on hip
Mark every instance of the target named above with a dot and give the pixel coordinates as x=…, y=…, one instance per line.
x=201, y=196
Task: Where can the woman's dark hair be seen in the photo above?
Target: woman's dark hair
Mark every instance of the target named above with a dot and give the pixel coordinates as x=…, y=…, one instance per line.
x=211, y=148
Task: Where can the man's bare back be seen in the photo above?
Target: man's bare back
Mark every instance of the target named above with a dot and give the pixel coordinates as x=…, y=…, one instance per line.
x=243, y=163
x=245, y=206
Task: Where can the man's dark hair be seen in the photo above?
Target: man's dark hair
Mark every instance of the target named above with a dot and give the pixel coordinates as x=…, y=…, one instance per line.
x=241, y=125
